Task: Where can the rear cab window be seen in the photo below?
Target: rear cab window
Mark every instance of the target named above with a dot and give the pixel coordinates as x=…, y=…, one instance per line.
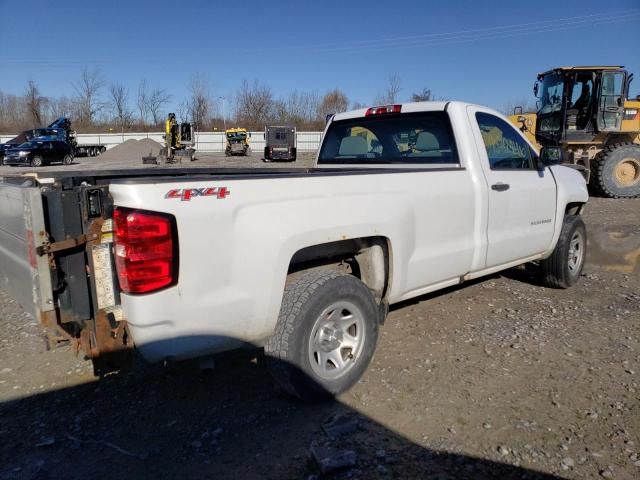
x=420, y=138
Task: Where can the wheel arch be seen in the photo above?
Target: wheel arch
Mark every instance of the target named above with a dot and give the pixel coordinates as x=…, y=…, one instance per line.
x=574, y=208
x=367, y=258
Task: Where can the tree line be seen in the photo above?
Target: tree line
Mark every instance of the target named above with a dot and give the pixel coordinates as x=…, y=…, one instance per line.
x=97, y=105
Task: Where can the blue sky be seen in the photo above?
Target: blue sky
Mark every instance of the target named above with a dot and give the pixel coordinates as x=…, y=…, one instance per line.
x=486, y=52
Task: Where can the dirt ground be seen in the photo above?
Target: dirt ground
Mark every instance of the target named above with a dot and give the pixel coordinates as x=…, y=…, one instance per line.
x=500, y=378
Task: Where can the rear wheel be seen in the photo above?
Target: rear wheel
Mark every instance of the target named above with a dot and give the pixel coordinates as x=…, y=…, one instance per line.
x=325, y=336
x=36, y=161
x=563, y=268
x=67, y=160
x=617, y=171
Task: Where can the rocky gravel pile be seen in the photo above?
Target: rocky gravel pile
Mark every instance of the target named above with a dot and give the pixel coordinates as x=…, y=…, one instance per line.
x=132, y=151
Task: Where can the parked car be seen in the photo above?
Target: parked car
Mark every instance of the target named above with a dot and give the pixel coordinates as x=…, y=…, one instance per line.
x=40, y=151
x=403, y=200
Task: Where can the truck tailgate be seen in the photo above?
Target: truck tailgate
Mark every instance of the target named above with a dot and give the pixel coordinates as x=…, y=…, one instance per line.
x=24, y=274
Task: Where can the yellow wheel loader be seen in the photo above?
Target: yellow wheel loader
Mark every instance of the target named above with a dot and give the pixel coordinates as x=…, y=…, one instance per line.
x=589, y=113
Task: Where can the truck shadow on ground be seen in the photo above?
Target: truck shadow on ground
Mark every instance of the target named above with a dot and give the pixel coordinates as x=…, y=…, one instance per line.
x=177, y=422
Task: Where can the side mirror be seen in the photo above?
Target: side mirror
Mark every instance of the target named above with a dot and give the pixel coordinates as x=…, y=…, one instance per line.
x=551, y=156
x=517, y=110
x=535, y=89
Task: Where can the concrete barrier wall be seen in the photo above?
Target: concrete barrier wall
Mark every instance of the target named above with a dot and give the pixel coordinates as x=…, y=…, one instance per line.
x=205, y=141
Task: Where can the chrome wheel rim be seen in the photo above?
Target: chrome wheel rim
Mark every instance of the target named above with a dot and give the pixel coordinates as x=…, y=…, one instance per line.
x=576, y=253
x=336, y=340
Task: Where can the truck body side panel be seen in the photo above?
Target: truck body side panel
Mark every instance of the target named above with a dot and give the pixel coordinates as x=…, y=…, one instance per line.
x=235, y=252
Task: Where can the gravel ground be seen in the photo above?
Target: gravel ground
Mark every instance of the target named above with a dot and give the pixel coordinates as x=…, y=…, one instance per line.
x=500, y=378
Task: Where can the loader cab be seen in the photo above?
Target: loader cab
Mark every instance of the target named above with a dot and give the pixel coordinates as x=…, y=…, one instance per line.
x=576, y=103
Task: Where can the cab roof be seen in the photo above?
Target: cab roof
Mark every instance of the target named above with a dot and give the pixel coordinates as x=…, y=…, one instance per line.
x=584, y=67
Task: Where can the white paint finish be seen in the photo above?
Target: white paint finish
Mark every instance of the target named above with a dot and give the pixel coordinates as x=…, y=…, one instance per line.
x=521, y=219
x=234, y=253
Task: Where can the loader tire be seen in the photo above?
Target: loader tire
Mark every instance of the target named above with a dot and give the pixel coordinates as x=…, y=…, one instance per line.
x=616, y=172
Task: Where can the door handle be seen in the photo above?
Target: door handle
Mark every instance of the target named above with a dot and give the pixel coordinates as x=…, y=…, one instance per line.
x=500, y=187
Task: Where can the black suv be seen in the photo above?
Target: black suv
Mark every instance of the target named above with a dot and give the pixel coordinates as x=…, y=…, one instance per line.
x=40, y=151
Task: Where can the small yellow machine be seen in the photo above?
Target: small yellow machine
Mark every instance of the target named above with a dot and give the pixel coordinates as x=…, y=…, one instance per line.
x=178, y=141
x=237, y=142
x=588, y=112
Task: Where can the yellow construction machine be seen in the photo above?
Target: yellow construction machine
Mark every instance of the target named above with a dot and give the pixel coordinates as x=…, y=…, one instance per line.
x=589, y=113
x=237, y=142
x=178, y=141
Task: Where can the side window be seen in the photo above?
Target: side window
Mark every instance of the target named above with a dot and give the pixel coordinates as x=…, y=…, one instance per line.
x=506, y=149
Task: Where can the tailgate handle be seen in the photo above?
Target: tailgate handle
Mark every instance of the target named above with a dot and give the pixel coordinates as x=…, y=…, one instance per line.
x=500, y=187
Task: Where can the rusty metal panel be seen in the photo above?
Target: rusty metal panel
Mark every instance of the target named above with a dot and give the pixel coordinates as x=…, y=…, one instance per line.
x=24, y=274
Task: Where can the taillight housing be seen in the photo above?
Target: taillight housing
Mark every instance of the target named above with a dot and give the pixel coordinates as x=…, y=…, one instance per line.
x=383, y=110
x=145, y=250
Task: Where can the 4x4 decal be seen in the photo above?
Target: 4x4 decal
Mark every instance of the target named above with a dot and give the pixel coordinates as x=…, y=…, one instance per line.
x=186, y=194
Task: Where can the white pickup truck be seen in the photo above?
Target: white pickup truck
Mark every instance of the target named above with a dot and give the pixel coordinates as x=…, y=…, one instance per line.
x=403, y=200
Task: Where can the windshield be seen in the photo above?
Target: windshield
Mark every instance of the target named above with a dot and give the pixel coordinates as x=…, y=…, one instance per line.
x=26, y=145
x=424, y=138
x=551, y=96
x=236, y=136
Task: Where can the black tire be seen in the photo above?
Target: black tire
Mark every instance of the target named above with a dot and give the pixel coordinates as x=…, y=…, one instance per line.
x=616, y=171
x=67, y=160
x=563, y=268
x=36, y=161
x=289, y=351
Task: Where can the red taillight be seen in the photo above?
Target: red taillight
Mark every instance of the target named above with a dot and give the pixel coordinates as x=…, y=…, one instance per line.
x=144, y=250
x=383, y=110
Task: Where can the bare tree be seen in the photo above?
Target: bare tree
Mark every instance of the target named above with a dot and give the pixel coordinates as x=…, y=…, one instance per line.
x=61, y=107
x=390, y=93
x=199, y=103
x=88, y=89
x=422, y=96
x=34, y=103
x=119, y=102
x=334, y=101
x=302, y=107
x=157, y=99
x=255, y=104
x=142, y=101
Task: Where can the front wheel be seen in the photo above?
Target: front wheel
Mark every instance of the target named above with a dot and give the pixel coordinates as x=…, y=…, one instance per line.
x=563, y=268
x=36, y=161
x=325, y=336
